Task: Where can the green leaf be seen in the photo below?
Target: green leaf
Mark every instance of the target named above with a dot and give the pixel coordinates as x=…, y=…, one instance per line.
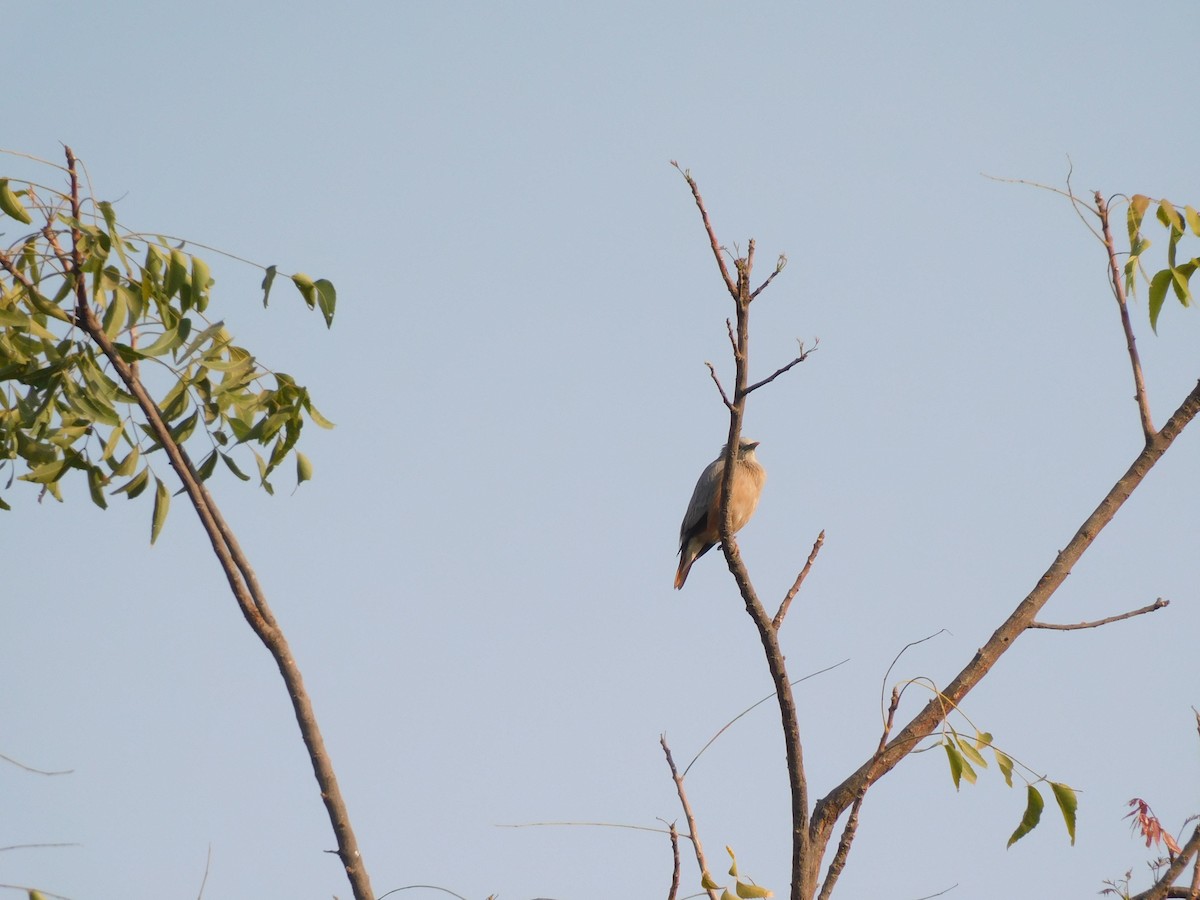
x=201, y=281
x=1193, y=219
x=956, y=763
x=707, y=882
x=1158, y=293
x=304, y=471
x=177, y=272
x=751, y=890
x=11, y=205
x=315, y=415
x=1168, y=216
x=1005, y=764
x=268, y=280
x=307, y=289
x=162, y=502
x=135, y=485
x=168, y=340
x=1067, y=804
x=96, y=486
x=205, y=469
x=326, y=299
x=732, y=863
x=47, y=473
x=1033, y=815
x=1138, y=204
x=128, y=464
x=115, y=315
x=969, y=751
x=181, y=431
x=232, y=466
x=15, y=317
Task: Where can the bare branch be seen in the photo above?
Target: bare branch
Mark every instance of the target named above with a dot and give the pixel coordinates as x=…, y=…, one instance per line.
x=687, y=813
x=795, y=362
x=732, y=340
x=674, y=892
x=712, y=235
x=1160, y=603
x=1118, y=287
x=779, y=264
x=717, y=381
x=795, y=589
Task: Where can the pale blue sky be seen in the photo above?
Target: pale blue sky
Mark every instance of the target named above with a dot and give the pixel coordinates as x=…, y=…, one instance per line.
x=477, y=582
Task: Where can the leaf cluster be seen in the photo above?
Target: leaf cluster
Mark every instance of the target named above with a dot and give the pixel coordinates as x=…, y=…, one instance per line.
x=964, y=754
x=63, y=405
x=1177, y=275
x=743, y=889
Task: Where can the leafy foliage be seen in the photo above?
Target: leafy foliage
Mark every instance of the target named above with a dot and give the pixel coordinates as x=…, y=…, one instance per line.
x=964, y=754
x=64, y=406
x=1177, y=275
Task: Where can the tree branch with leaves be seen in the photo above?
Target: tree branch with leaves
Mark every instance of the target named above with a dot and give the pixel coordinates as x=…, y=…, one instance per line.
x=86, y=307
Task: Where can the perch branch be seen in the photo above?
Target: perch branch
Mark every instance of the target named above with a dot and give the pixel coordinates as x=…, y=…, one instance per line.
x=1160, y=603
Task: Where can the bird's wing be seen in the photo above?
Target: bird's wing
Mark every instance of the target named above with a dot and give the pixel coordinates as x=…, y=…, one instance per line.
x=702, y=499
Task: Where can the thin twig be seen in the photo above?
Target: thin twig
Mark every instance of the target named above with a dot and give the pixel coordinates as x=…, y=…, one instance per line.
x=795, y=362
x=21, y=765
x=1118, y=287
x=1160, y=603
x=1075, y=201
x=795, y=589
x=207, y=867
x=585, y=825
x=732, y=340
x=35, y=846
x=687, y=814
x=712, y=235
x=712, y=740
x=778, y=268
x=717, y=381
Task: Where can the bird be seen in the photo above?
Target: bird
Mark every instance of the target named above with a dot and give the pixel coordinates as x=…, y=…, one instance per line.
x=701, y=528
